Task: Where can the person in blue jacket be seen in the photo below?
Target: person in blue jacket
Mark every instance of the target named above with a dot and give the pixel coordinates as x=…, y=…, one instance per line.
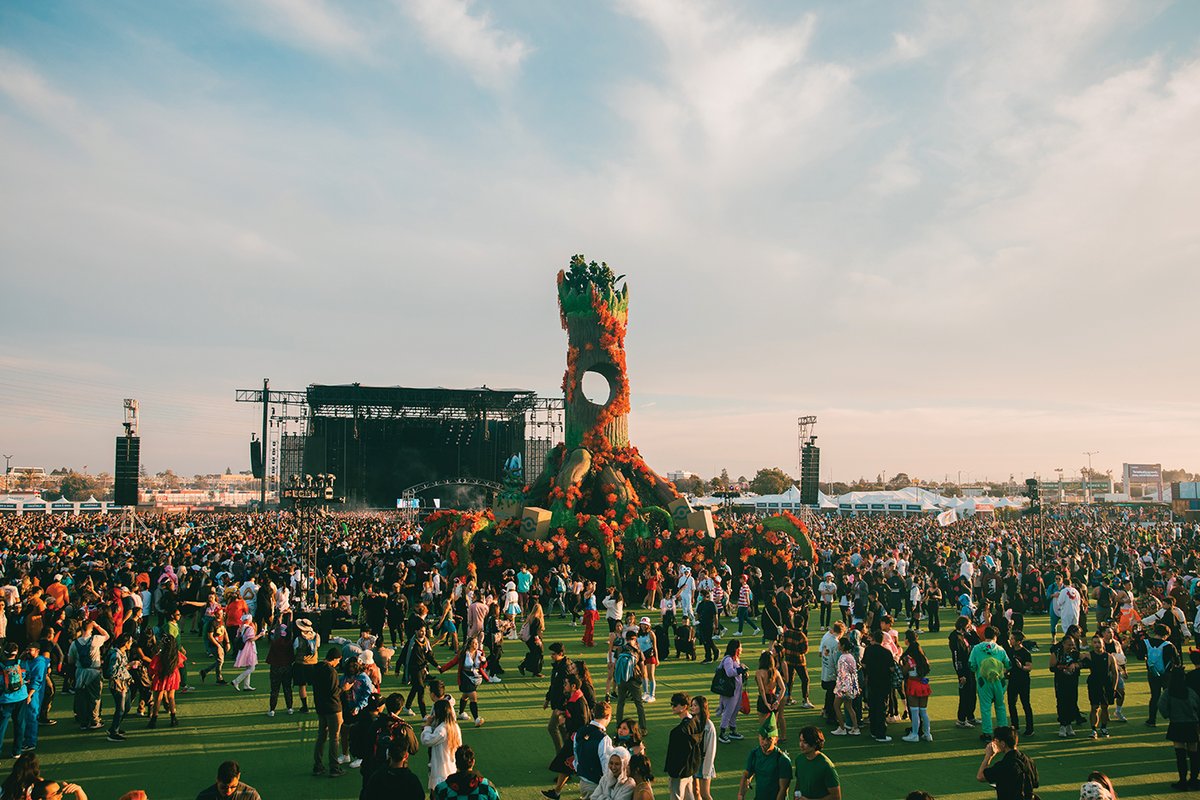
x=14, y=696
x=36, y=667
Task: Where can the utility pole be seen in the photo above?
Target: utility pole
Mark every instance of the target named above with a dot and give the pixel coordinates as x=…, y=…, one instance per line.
x=262, y=491
x=1087, y=490
x=7, y=459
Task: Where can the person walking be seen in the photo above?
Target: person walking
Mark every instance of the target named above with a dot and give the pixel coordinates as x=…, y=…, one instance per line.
x=418, y=658
x=683, y=748
x=706, y=626
x=1013, y=773
x=648, y=643
x=120, y=685
x=846, y=690
x=990, y=664
x=1101, y=685
x=247, y=657
x=216, y=645
x=472, y=672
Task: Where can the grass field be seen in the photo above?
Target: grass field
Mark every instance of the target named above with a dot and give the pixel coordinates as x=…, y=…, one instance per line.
x=513, y=748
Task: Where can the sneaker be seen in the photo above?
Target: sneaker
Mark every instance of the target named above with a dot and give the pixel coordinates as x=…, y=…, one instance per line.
x=839, y=731
x=494, y=679
x=910, y=737
x=408, y=712
x=1027, y=733
x=1151, y=723
x=651, y=699
x=336, y=772
x=855, y=732
x=550, y=793
x=463, y=716
x=1104, y=733
x=882, y=739
x=1062, y=731
x=343, y=759
x=271, y=713
x=645, y=697
x=291, y=711
x=115, y=737
x=807, y=704
x=962, y=723
x=479, y=722
x=1120, y=717
x=723, y=739
x=737, y=737
x=926, y=737
x=29, y=748
x=318, y=769
x=355, y=764
x=1070, y=732
x=1095, y=734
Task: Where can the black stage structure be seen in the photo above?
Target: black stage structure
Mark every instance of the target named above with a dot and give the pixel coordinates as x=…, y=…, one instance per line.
x=381, y=440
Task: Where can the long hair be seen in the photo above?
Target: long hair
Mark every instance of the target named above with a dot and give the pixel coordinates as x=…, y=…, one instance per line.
x=916, y=653
x=443, y=714
x=702, y=709
x=26, y=771
x=168, y=655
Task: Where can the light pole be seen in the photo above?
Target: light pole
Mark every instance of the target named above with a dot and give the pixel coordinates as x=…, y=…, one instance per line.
x=7, y=459
x=1062, y=490
x=1087, y=492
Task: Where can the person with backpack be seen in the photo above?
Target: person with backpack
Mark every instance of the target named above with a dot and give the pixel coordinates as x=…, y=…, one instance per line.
x=388, y=729
x=14, y=696
x=85, y=656
x=684, y=745
x=1013, y=773
x=629, y=667
x=1161, y=658
x=990, y=664
x=768, y=767
x=396, y=780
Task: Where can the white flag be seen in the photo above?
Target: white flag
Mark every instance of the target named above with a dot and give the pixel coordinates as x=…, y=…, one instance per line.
x=947, y=517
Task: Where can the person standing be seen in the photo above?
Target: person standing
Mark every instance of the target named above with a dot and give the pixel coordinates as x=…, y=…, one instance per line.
x=735, y=676
x=535, y=626
x=628, y=668
x=443, y=737
x=816, y=775
x=706, y=626
x=847, y=689
x=14, y=697
x=85, y=656
x=1064, y=663
x=744, y=598
x=683, y=748
x=1019, y=682
x=795, y=655
x=465, y=783
x=962, y=640
x=829, y=659
x=917, y=690
x=1101, y=685
x=120, y=685
x=37, y=668
x=327, y=703
x=990, y=664
x=768, y=767
x=396, y=780
x=877, y=665
x=1180, y=704
x=165, y=679
x=281, y=662
x=1012, y=772
x=708, y=749
x=1161, y=658
x=590, y=614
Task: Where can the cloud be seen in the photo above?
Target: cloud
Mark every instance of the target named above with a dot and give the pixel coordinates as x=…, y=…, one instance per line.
x=309, y=24
x=492, y=56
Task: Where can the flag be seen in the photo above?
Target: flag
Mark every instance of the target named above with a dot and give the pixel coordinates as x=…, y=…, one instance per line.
x=947, y=517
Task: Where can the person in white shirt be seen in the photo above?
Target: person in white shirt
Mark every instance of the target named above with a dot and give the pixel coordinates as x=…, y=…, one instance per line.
x=829, y=659
x=827, y=589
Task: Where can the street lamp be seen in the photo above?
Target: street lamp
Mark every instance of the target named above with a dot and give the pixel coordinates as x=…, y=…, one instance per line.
x=1087, y=492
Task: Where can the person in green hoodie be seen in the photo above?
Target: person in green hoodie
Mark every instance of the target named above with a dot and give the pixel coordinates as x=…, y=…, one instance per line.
x=989, y=663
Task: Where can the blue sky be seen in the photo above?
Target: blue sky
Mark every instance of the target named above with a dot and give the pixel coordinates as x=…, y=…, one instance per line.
x=962, y=234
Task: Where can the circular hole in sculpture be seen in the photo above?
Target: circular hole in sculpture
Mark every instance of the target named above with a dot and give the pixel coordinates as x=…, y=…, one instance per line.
x=596, y=388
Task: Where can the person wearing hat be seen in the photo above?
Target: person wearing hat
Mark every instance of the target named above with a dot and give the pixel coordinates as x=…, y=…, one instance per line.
x=768, y=767
x=648, y=643
x=305, y=648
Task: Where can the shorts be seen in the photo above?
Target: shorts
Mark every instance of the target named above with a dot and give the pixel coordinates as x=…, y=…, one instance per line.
x=1100, y=694
x=302, y=674
x=651, y=657
x=449, y=627
x=612, y=624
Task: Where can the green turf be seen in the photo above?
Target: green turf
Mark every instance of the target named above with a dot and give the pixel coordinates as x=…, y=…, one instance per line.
x=513, y=747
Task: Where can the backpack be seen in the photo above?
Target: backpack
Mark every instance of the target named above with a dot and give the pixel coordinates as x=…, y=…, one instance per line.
x=524, y=633
x=991, y=669
x=1156, y=663
x=389, y=731
x=14, y=676
x=308, y=647
x=623, y=669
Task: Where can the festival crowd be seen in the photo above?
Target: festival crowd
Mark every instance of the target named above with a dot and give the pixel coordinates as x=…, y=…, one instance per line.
x=97, y=615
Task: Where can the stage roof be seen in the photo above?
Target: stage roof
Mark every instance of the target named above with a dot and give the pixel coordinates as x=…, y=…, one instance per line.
x=355, y=400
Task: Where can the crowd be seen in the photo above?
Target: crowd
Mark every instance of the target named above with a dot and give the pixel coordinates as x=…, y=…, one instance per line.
x=98, y=616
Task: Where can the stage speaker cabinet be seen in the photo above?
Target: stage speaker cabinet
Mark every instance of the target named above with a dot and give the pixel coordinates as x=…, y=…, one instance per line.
x=679, y=510
x=810, y=474
x=702, y=521
x=256, y=459
x=125, y=475
x=507, y=509
x=535, y=523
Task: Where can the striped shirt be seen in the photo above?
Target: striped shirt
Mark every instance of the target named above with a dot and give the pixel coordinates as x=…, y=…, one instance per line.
x=744, y=596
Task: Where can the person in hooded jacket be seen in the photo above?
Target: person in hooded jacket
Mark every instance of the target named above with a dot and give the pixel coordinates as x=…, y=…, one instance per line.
x=616, y=783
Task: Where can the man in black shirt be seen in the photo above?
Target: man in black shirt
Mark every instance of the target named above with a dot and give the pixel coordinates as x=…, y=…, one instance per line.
x=683, y=748
x=877, y=667
x=1018, y=681
x=556, y=696
x=327, y=702
x=706, y=626
x=396, y=781
x=1008, y=769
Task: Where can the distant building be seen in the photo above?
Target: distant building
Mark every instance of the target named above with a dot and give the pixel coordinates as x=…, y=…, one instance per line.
x=680, y=474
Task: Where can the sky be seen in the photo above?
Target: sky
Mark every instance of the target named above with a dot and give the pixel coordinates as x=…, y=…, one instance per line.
x=963, y=235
